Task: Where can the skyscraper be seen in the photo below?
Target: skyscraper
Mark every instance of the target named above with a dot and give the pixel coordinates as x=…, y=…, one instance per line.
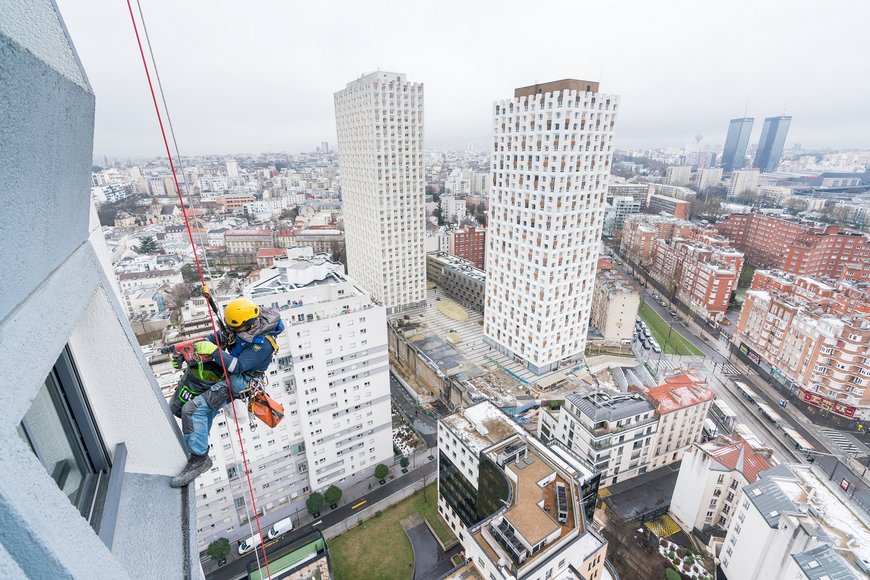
x=734, y=153
x=552, y=148
x=770, y=145
x=379, y=120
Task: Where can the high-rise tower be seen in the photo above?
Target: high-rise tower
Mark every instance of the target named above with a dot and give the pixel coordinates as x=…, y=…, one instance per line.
x=734, y=153
x=552, y=148
x=771, y=143
x=379, y=120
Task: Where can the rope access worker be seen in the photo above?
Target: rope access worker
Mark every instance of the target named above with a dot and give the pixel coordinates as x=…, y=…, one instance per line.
x=247, y=353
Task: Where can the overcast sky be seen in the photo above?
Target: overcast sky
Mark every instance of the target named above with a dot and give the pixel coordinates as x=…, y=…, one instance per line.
x=258, y=76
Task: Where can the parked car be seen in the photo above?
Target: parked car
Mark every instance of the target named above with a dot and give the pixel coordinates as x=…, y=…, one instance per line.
x=673, y=313
x=663, y=303
x=656, y=349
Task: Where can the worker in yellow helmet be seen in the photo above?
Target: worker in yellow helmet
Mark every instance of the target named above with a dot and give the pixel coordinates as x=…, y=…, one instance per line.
x=246, y=353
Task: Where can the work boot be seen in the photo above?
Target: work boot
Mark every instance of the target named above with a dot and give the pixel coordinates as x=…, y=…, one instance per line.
x=196, y=466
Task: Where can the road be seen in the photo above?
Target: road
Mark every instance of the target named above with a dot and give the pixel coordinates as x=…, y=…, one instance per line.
x=710, y=342
x=238, y=568
x=425, y=426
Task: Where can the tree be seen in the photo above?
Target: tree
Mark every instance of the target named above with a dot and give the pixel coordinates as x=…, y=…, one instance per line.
x=314, y=502
x=219, y=549
x=148, y=246
x=404, y=462
x=189, y=273
x=381, y=471
x=289, y=213
x=332, y=495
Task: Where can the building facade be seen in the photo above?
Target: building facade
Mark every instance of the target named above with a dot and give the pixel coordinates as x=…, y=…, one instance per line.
x=807, y=249
x=707, y=177
x=734, y=152
x=743, y=182
x=613, y=432
x=84, y=488
x=816, y=336
x=552, y=148
x=681, y=403
x=617, y=209
x=710, y=479
x=379, y=120
x=331, y=376
x=639, y=191
x=615, y=303
x=458, y=278
x=520, y=509
x=669, y=205
x=469, y=244
x=678, y=175
x=771, y=143
x=795, y=523
x=248, y=241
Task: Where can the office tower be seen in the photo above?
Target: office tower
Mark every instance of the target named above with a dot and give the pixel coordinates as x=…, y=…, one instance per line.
x=379, y=120
x=770, y=145
x=88, y=447
x=552, y=148
x=734, y=152
x=331, y=376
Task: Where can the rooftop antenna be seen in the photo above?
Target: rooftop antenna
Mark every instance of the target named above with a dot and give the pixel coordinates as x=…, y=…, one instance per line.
x=746, y=109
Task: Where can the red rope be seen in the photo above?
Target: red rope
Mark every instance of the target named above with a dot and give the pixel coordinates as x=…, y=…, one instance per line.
x=216, y=334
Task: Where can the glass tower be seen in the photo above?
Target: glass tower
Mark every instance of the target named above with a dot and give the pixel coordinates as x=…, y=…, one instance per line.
x=771, y=143
x=734, y=153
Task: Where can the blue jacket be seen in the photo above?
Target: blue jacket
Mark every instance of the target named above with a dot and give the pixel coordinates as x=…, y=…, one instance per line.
x=252, y=351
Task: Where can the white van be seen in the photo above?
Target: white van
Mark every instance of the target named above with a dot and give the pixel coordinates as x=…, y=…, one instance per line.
x=280, y=527
x=710, y=429
x=249, y=544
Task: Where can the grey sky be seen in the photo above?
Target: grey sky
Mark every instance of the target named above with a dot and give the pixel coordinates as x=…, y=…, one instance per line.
x=258, y=75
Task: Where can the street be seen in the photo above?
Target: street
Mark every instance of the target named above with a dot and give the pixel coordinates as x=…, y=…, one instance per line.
x=328, y=518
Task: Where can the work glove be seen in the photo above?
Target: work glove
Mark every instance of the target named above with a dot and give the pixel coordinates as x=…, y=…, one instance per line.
x=177, y=361
x=204, y=348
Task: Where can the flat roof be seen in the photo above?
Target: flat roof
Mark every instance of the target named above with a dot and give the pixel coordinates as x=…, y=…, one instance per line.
x=481, y=426
x=527, y=515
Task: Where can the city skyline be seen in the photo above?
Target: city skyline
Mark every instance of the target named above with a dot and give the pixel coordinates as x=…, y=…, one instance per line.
x=270, y=87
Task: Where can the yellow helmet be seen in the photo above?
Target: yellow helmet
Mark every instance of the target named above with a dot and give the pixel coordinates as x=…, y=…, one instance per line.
x=240, y=313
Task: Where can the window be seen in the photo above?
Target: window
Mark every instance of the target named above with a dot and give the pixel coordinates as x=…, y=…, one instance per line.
x=60, y=430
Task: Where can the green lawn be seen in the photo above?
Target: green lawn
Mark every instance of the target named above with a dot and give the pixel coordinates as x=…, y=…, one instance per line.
x=378, y=548
x=659, y=329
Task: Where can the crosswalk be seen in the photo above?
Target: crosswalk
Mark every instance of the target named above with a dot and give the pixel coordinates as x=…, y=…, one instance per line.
x=730, y=370
x=841, y=440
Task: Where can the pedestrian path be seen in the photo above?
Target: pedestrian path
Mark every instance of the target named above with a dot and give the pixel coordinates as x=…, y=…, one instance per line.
x=841, y=440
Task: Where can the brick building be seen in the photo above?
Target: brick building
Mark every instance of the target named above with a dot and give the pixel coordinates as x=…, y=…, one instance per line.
x=678, y=208
x=248, y=241
x=813, y=336
x=641, y=231
x=799, y=248
x=469, y=244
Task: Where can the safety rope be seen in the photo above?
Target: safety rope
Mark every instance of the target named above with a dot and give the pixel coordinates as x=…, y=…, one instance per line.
x=202, y=280
x=180, y=159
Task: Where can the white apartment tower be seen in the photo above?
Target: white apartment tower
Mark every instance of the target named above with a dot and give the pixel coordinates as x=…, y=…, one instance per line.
x=331, y=375
x=552, y=148
x=379, y=120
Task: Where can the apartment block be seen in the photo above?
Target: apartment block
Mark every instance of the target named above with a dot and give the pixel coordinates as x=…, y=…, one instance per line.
x=617, y=209
x=742, y=182
x=807, y=249
x=379, y=120
x=331, y=376
x=323, y=240
x=678, y=175
x=793, y=522
x=669, y=205
x=702, y=276
x=681, y=402
x=707, y=177
x=614, y=432
x=640, y=233
x=458, y=278
x=469, y=244
x=615, y=303
x=89, y=445
x=639, y=191
x=710, y=479
x=817, y=342
x=552, y=148
x=248, y=241
x=520, y=509
x=453, y=208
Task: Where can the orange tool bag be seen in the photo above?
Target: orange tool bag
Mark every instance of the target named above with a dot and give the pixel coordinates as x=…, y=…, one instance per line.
x=266, y=409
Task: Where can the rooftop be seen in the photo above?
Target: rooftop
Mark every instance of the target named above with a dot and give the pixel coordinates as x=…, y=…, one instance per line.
x=600, y=406
x=528, y=515
x=738, y=455
x=679, y=392
x=481, y=426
